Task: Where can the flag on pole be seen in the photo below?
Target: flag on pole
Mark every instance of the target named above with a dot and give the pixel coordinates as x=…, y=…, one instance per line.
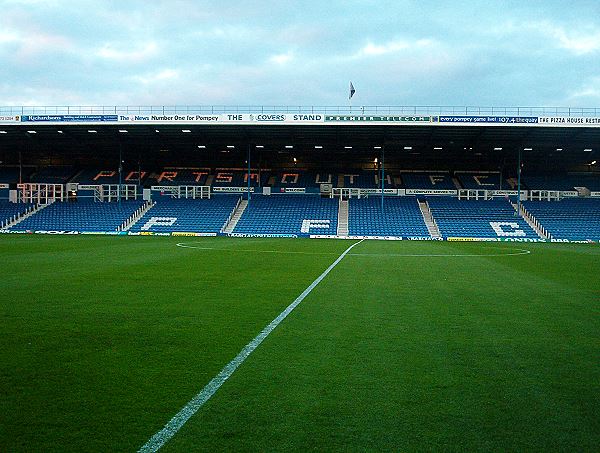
x=352, y=90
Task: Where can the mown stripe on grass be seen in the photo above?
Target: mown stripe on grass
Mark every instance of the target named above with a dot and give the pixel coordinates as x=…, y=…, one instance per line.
x=176, y=423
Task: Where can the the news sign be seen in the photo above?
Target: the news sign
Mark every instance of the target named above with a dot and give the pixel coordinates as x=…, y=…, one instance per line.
x=225, y=118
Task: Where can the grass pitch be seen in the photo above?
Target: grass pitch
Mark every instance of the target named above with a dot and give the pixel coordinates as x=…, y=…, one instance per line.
x=104, y=339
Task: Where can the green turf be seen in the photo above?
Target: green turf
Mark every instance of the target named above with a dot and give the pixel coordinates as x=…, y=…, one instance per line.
x=104, y=339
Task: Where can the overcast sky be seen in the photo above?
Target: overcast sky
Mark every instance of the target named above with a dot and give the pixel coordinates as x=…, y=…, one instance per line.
x=177, y=52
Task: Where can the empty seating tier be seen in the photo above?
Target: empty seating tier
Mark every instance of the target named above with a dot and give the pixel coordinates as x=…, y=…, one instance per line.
x=399, y=217
x=80, y=216
x=10, y=210
x=571, y=218
x=187, y=215
x=289, y=214
x=478, y=218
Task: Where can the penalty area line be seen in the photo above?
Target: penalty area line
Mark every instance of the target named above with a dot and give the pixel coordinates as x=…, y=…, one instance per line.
x=176, y=423
x=447, y=255
x=281, y=252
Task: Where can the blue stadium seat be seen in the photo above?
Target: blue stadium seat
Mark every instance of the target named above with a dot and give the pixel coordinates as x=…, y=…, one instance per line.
x=401, y=217
x=478, y=218
x=84, y=215
x=571, y=218
x=10, y=210
x=187, y=215
x=289, y=214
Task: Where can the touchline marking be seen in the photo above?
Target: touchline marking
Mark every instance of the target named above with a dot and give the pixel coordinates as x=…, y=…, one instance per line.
x=175, y=424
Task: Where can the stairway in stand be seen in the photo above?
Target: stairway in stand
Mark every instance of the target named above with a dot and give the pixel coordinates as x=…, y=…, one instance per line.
x=432, y=227
x=531, y=221
x=18, y=219
x=342, y=229
x=237, y=214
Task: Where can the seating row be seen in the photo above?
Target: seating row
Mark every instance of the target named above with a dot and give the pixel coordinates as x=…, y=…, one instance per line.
x=575, y=219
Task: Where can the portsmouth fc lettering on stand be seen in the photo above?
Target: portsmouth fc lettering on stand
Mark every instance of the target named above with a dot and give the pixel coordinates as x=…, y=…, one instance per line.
x=158, y=221
x=319, y=224
x=507, y=229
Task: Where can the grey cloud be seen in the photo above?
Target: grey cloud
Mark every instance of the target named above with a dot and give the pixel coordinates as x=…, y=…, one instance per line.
x=283, y=52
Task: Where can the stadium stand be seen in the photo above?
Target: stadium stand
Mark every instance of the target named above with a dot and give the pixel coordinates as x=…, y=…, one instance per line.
x=80, y=216
x=478, y=218
x=571, y=218
x=289, y=214
x=401, y=217
x=187, y=215
x=8, y=210
x=427, y=181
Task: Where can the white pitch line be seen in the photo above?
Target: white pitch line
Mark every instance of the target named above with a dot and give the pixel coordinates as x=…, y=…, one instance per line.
x=175, y=424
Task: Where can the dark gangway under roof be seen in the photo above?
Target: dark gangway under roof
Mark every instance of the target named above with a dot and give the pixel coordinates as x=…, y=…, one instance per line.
x=455, y=141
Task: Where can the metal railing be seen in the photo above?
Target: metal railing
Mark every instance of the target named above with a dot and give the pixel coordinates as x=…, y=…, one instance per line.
x=331, y=110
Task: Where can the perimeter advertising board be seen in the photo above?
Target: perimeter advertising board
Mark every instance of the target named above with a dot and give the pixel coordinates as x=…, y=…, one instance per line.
x=299, y=119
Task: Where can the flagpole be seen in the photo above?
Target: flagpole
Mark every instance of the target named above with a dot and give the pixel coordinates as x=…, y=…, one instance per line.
x=350, y=98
